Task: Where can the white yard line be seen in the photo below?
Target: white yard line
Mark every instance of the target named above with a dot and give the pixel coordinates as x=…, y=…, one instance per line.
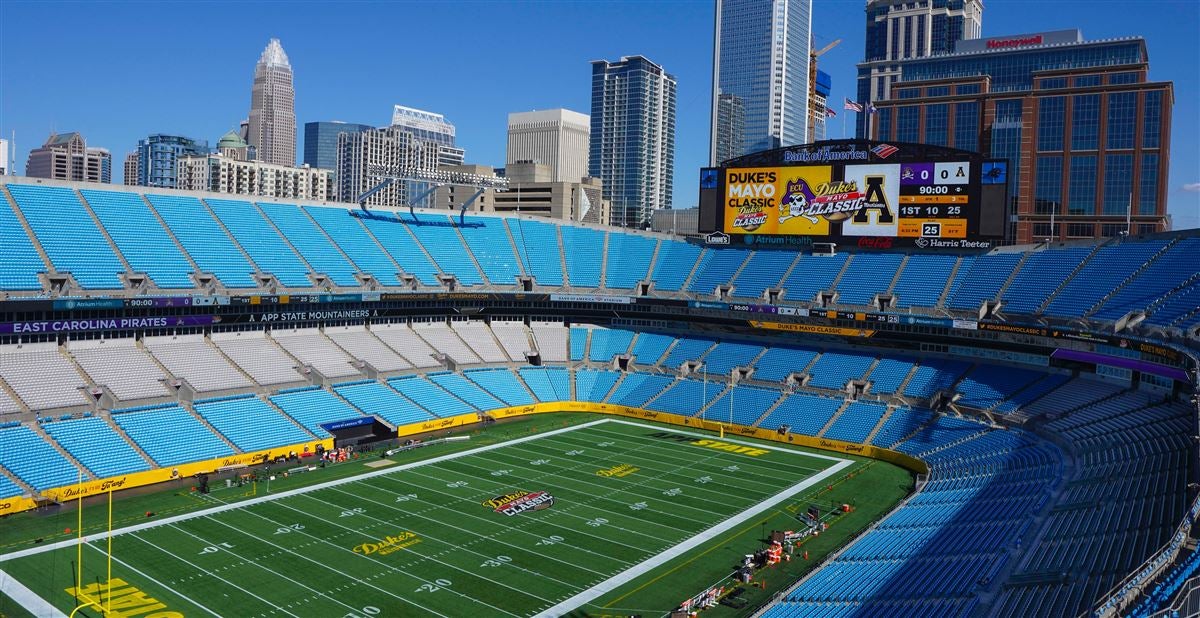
x=650, y=564
x=286, y=494
x=209, y=573
x=27, y=598
x=298, y=583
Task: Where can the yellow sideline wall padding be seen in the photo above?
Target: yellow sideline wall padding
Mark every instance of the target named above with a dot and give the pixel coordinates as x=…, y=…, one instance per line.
x=849, y=448
x=158, y=475
x=149, y=477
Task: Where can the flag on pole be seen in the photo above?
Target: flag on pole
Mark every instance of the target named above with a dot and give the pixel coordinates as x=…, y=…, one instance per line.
x=852, y=106
x=871, y=109
x=829, y=113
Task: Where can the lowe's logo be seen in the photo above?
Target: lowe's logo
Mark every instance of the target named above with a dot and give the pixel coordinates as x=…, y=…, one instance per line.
x=717, y=238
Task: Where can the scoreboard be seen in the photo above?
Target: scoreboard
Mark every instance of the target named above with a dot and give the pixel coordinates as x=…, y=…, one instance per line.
x=869, y=193
x=933, y=200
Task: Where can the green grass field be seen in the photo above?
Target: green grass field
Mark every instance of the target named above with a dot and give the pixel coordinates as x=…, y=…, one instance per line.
x=632, y=503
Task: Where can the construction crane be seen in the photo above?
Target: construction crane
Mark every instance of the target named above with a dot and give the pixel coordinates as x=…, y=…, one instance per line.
x=816, y=102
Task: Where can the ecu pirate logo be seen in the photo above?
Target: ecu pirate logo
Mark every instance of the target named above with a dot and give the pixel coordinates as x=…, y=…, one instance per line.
x=519, y=502
x=835, y=200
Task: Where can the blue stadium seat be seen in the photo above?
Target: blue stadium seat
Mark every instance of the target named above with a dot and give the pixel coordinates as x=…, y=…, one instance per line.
x=867, y=274
x=430, y=396
x=983, y=280
x=310, y=406
x=902, y=422
x=686, y=349
x=19, y=260
x=583, y=249
x=805, y=413
x=887, y=376
x=637, y=388
x=594, y=385
x=716, y=268
x=439, y=235
x=263, y=244
x=487, y=238
x=249, y=423
x=349, y=234
x=79, y=247
x=987, y=385
x=922, y=281
x=934, y=375
x=777, y=363
x=373, y=398
x=95, y=445
x=687, y=397
x=170, y=435
x=746, y=404
x=393, y=235
x=208, y=245
x=649, y=347
x=311, y=243
x=607, y=343
x=140, y=237
x=834, y=369
x=725, y=356
x=764, y=270
x=538, y=249
x=32, y=460
x=855, y=423
x=673, y=265
x=465, y=390
x=629, y=257
x=547, y=383
x=501, y=384
x=1172, y=269
x=1110, y=266
x=812, y=274
x=579, y=341
x=1042, y=273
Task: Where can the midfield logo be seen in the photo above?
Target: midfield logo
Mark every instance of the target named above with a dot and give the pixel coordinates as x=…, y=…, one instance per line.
x=519, y=502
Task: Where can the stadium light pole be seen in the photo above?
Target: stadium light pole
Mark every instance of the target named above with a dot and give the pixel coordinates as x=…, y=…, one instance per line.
x=703, y=391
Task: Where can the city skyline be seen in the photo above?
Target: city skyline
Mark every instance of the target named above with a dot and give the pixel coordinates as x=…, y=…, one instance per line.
x=202, y=93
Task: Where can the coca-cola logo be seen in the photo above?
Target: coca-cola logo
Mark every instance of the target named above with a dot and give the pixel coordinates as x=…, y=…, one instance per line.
x=875, y=242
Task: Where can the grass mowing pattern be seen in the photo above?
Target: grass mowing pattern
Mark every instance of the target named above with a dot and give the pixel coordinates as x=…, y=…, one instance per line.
x=296, y=556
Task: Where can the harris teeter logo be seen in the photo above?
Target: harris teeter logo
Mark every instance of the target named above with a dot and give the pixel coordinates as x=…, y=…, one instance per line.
x=519, y=502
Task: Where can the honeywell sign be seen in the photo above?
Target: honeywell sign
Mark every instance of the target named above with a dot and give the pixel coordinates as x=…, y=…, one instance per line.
x=1018, y=42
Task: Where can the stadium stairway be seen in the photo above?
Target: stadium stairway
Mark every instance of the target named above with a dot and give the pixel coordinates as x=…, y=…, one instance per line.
x=196, y=270
x=190, y=408
x=108, y=238
x=47, y=264
x=887, y=413
x=474, y=260
x=259, y=271
x=833, y=419
x=1011, y=277
x=896, y=278
x=137, y=448
x=950, y=281
x=1131, y=278
x=1067, y=280
x=41, y=433
x=783, y=395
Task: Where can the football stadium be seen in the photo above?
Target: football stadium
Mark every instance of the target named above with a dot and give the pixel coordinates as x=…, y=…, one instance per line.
x=256, y=408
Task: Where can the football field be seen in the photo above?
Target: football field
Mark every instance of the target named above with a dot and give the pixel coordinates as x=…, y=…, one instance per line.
x=539, y=525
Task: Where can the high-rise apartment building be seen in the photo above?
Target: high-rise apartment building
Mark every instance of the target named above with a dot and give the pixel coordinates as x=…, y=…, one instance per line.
x=131, y=169
x=761, y=57
x=5, y=164
x=632, y=147
x=157, y=156
x=272, y=125
x=903, y=29
x=66, y=156
x=224, y=174
x=554, y=137
x=1086, y=134
x=390, y=150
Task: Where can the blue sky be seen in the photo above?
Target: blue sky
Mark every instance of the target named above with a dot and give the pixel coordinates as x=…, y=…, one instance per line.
x=118, y=71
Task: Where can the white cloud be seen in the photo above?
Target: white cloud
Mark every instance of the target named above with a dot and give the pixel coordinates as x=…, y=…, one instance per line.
x=1192, y=186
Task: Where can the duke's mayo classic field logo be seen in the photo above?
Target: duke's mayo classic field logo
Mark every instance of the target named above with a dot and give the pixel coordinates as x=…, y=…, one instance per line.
x=519, y=502
x=389, y=544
